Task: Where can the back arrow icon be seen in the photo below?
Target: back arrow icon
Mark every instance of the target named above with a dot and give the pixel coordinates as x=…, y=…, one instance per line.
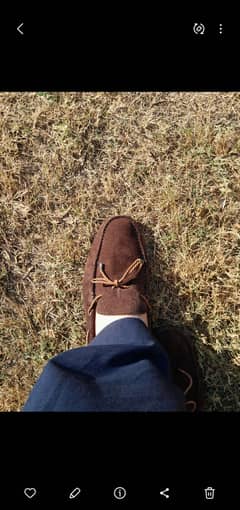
x=19, y=29
x=163, y=493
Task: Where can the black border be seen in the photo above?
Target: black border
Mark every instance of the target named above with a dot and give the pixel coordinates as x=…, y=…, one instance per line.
x=145, y=50
x=62, y=450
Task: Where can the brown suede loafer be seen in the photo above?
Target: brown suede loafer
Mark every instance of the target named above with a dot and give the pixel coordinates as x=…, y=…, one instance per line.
x=114, y=281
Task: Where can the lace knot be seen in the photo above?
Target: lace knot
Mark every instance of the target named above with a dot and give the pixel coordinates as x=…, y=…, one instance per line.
x=130, y=273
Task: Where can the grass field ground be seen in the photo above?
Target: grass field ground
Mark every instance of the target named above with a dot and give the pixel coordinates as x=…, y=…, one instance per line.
x=68, y=161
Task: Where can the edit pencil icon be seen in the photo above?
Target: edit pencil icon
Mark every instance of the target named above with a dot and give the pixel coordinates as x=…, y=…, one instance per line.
x=75, y=492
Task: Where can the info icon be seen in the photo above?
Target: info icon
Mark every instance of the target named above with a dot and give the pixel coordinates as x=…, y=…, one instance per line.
x=119, y=493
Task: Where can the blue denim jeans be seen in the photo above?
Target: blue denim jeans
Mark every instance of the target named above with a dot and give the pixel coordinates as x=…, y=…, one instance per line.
x=124, y=369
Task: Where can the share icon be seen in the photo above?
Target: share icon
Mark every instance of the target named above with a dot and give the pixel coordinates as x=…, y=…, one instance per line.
x=164, y=493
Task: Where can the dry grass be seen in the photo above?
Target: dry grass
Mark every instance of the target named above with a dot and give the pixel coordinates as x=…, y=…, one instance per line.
x=68, y=161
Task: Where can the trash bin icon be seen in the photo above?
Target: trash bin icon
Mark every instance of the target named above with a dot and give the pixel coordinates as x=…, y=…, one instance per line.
x=209, y=493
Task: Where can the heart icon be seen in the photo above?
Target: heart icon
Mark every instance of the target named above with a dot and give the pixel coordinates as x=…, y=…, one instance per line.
x=30, y=492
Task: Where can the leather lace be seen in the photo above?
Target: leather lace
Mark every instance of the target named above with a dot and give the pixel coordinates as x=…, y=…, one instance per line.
x=135, y=268
x=192, y=403
x=122, y=283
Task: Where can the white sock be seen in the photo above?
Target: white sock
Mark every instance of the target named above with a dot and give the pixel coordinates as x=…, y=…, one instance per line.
x=101, y=321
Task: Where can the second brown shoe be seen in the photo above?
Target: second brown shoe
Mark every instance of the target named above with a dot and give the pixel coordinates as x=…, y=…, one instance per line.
x=114, y=281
